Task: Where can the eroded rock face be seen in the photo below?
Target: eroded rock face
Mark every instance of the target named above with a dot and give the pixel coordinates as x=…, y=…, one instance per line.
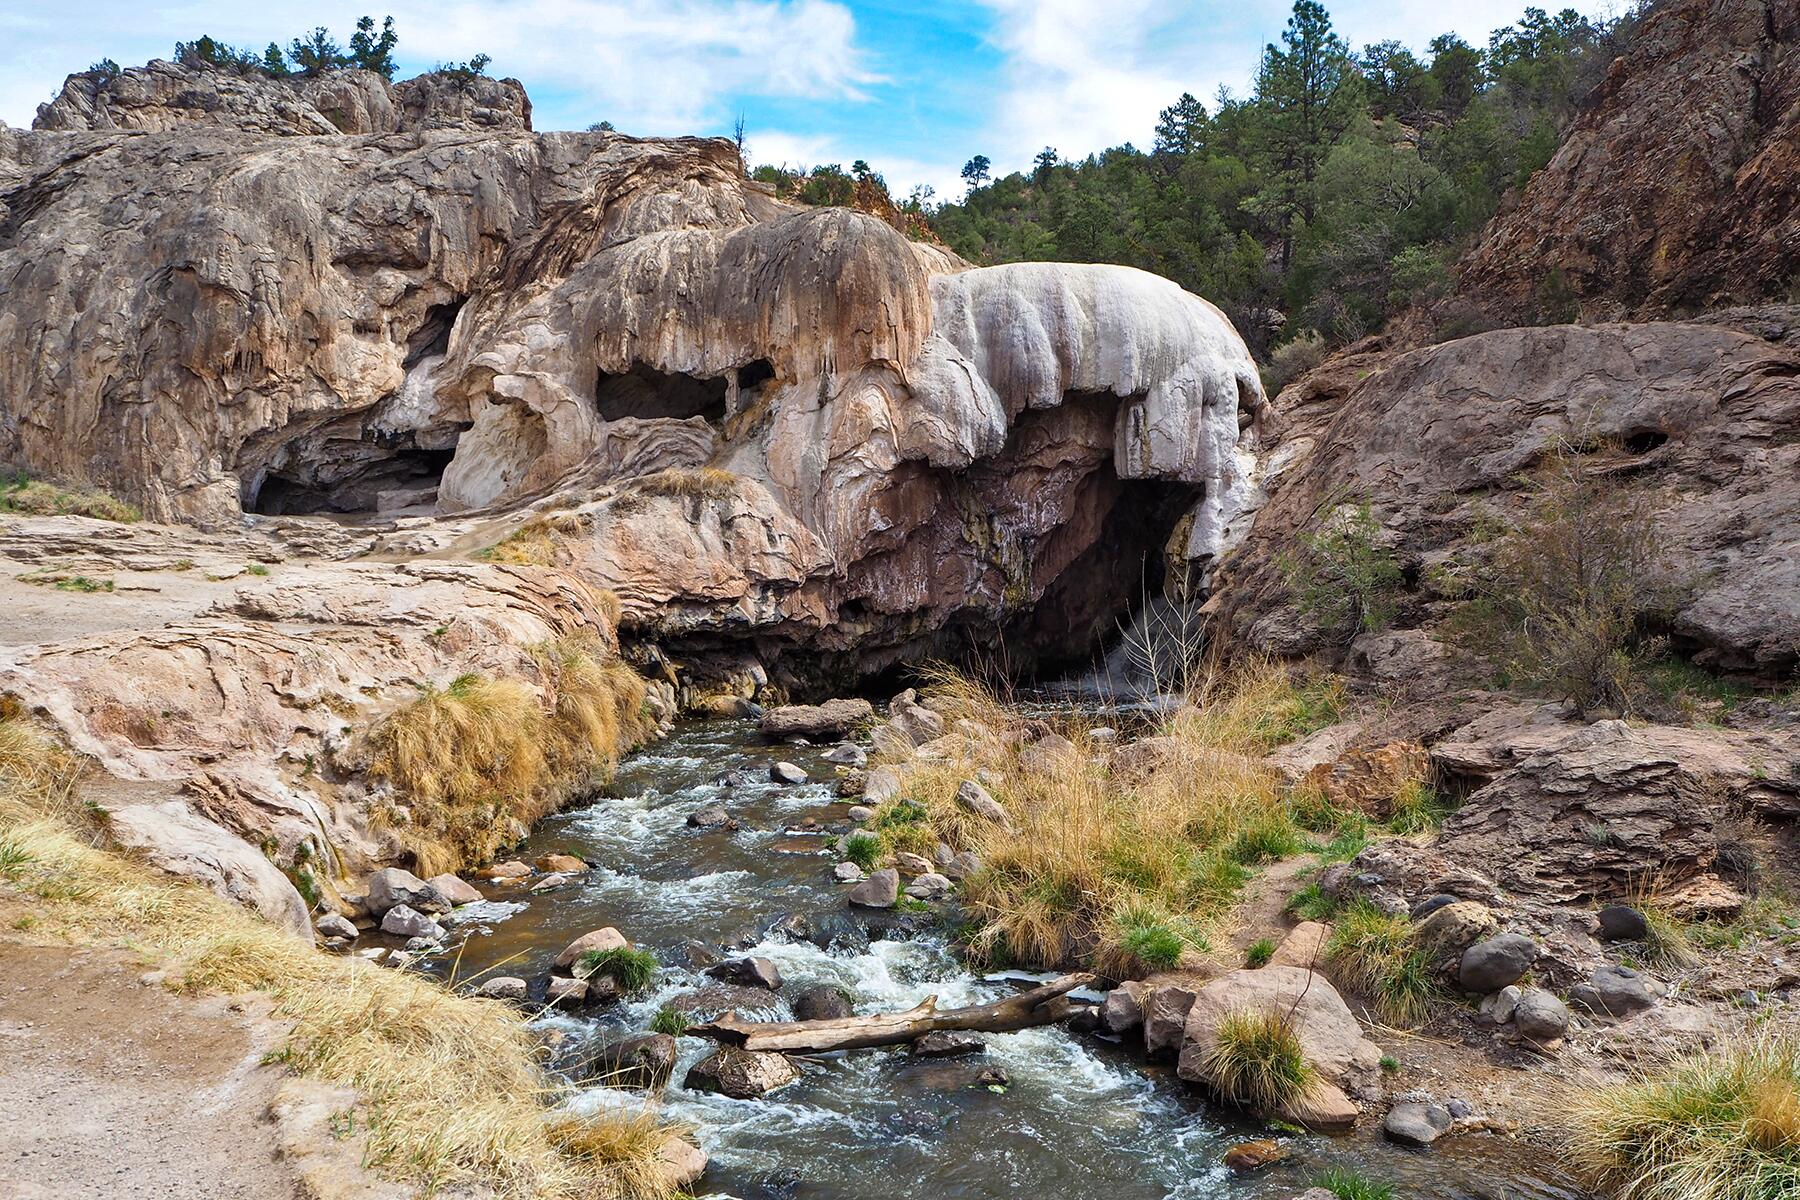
x=1435, y=441
x=880, y=454
x=1675, y=187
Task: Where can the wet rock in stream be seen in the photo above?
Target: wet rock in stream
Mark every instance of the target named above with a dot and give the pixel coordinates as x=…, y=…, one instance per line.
x=741, y=1074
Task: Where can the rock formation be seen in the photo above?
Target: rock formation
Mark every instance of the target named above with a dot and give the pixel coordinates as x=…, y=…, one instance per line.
x=1674, y=190
x=437, y=310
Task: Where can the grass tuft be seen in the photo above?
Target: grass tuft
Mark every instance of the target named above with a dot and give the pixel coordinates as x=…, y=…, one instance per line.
x=1346, y=1184
x=34, y=497
x=671, y=1021
x=630, y=968
x=1374, y=954
x=1259, y=953
x=1720, y=1126
x=863, y=849
x=1257, y=1061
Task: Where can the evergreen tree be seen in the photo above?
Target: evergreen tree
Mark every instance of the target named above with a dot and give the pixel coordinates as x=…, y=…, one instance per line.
x=1307, y=93
x=316, y=53
x=977, y=171
x=374, y=51
x=1181, y=127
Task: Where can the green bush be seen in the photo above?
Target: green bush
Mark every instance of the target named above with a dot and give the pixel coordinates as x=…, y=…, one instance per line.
x=1342, y=577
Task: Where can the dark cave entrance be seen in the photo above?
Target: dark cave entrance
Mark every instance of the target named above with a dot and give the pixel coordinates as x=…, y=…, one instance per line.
x=321, y=474
x=432, y=337
x=647, y=393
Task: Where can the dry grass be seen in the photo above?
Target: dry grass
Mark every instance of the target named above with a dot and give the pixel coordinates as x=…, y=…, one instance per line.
x=1121, y=873
x=1376, y=955
x=36, y=498
x=703, y=483
x=480, y=760
x=451, y=1087
x=1721, y=1126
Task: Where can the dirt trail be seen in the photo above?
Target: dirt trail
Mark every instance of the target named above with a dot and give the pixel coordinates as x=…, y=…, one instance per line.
x=117, y=1088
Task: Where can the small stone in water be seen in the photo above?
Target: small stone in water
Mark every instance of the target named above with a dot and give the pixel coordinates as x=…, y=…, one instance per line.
x=1246, y=1158
x=502, y=987
x=787, y=773
x=848, y=872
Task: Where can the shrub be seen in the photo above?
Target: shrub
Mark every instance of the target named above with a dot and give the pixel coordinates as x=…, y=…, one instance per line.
x=1259, y=953
x=1721, y=1126
x=1256, y=1060
x=1373, y=953
x=1561, y=603
x=1342, y=577
x=1346, y=1184
x=632, y=969
x=1294, y=358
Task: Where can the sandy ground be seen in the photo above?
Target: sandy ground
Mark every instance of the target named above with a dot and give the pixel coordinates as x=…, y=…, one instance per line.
x=117, y=1088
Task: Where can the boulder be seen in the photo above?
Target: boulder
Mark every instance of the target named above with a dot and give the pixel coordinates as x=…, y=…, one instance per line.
x=595, y=939
x=1495, y=962
x=848, y=872
x=561, y=864
x=944, y=1043
x=1247, y=1158
x=929, y=887
x=973, y=798
x=962, y=864
x=1123, y=1009
x=860, y=814
x=748, y=972
x=1447, y=933
x=1417, y=1124
x=880, y=890
x=713, y=816
x=741, y=1074
x=834, y=718
x=331, y=925
x=912, y=864
x=1303, y=946
x=787, y=774
x=644, y=1060
x=504, y=987
x=847, y=754
x=512, y=868
x=391, y=886
x=454, y=889
x=568, y=993
x=679, y=1165
x=1049, y=755
x=1613, y=991
x=1369, y=780
x=1500, y=1006
x=882, y=785
x=402, y=921
x=1333, y=1042
x=913, y=722
x=821, y=1002
x=1166, y=1009
x=1540, y=1017
x=1622, y=923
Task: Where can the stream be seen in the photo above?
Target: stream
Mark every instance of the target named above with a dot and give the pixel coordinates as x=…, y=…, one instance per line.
x=1078, y=1116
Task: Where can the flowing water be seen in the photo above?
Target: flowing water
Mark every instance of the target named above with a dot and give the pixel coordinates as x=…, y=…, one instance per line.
x=1078, y=1117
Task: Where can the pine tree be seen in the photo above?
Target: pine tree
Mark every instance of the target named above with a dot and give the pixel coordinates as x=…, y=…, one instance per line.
x=1307, y=92
x=1181, y=127
x=374, y=51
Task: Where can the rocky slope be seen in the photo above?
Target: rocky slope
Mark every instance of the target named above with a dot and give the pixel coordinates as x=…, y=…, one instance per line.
x=1674, y=190
x=439, y=311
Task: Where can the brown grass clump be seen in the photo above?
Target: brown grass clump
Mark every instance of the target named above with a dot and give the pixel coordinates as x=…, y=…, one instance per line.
x=36, y=498
x=703, y=483
x=483, y=758
x=1719, y=1126
x=451, y=1088
x=531, y=545
x=1125, y=872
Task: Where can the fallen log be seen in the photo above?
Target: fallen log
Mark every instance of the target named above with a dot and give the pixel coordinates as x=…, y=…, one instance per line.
x=1043, y=1005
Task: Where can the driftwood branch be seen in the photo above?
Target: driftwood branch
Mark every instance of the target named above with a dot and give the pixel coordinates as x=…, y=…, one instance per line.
x=1043, y=1005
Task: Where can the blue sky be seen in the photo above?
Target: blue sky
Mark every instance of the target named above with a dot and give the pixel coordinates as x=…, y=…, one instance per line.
x=914, y=86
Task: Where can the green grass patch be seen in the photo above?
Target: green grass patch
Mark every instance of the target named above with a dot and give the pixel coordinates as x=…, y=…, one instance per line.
x=1311, y=903
x=1346, y=1184
x=1417, y=808
x=1374, y=954
x=1259, y=953
x=630, y=968
x=863, y=849
x=671, y=1021
x=83, y=583
x=33, y=497
x=1268, y=837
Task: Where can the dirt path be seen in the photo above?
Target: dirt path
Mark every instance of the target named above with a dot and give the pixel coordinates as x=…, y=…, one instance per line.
x=1260, y=911
x=116, y=1088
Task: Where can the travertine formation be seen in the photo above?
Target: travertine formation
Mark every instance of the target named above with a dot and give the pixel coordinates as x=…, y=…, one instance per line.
x=439, y=312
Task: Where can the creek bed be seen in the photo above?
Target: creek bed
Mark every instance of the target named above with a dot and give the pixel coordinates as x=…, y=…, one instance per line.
x=1078, y=1117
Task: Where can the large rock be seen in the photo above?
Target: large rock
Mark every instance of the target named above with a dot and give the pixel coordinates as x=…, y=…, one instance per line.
x=402, y=921
x=741, y=1074
x=595, y=939
x=1415, y=1124
x=1539, y=1016
x=172, y=838
x=1347, y=1063
x=1614, y=991
x=1166, y=1008
x=880, y=890
x=454, y=889
x=834, y=718
x=1495, y=962
x=644, y=1060
x=748, y=972
x=975, y=799
x=391, y=886
x=820, y=1002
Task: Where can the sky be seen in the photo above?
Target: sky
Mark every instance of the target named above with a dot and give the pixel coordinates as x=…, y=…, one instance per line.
x=915, y=87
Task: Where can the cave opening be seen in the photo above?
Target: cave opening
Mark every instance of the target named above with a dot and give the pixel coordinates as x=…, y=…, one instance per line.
x=432, y=337
x=649, y=394
x=325, y=475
